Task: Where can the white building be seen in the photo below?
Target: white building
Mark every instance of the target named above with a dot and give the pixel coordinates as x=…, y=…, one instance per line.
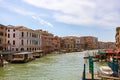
x=20, y=38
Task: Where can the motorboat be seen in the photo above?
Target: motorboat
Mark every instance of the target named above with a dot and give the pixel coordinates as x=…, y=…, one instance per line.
x=105, y=71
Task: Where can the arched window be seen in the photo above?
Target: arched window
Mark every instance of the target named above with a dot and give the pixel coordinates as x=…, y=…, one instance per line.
x=22, y=34
x=8, y=35
x=22, y=49
x=8, y=42
x=13, y=42
x=22, y=43
x=13, y=35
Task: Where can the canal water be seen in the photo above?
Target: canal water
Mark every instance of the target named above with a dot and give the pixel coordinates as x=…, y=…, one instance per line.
x=67, y=66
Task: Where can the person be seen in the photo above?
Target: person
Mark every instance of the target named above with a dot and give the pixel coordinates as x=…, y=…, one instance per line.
x=111, y=58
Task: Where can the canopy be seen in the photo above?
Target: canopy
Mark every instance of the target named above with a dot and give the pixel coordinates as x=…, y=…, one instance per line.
x=110, y=51
x=101, y=52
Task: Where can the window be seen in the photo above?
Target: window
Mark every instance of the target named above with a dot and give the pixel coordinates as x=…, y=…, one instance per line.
x=8, y=42
x=22, y=49
x=30, y=34
x=1, y=33
x=27, y=41
x=27, y=34
x=22, y=42
x=13, y=35
x=14, y=30
x=8, y=35
x=27, y=49
x=0, y=41
x=13, y=42
x=22, y=34
x=16, y=49
x=8, y=30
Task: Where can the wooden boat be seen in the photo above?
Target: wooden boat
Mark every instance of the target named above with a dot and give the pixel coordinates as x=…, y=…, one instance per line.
x=22, y=57
x=105, y=71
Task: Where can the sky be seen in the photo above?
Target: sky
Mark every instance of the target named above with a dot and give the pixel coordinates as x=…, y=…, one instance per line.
x=97, y=18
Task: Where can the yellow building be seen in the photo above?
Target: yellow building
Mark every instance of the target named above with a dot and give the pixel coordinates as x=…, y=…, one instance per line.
x=3, y=37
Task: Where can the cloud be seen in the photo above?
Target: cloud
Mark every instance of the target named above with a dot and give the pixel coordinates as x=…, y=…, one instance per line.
x=17, y=9
x=82, y=12
x=25, y=12
x=42, y=22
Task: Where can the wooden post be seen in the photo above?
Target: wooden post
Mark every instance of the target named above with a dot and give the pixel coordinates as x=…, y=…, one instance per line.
x=84, y=73
x=1, y=60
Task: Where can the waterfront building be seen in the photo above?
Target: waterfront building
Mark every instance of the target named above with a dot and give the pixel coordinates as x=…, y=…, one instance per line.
x=46, y=41
x=117, y=37
x=68, y=43
x=2, y=37
x=106, y=45
x=78, y=45
x=110, y=45
x=20, y=38
x=101, y=45
x=89, y=42
x=56, y=43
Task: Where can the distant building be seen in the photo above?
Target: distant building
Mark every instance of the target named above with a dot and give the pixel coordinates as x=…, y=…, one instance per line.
x=101, y=45
x=3, y=37
x=106, y=45
x=68, y=43
x=117, y=37
x=56, y=43
x=89, y=42
x=20, y=38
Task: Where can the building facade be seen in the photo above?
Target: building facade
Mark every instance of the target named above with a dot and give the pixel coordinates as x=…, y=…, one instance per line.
x=20, y=38
x=89, y=42
x=117, y=37
x=56, y=43
x=47, y=44
x=3, y=32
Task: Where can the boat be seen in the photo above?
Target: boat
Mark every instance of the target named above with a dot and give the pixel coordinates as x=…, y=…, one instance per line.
x=105, y=71
x=22, y=57
x=5, y=62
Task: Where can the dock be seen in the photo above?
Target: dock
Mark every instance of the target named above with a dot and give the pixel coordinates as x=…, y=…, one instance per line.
x=96, y=76
x=110, y=77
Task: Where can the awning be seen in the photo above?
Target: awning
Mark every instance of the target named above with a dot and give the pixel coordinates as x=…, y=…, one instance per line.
x=109, y=51
x=101, y=52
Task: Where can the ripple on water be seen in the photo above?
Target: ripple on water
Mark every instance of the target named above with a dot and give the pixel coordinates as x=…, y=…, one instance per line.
x=50, y=67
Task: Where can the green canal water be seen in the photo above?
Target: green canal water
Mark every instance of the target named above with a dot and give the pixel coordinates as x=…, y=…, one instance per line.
x=67, y=66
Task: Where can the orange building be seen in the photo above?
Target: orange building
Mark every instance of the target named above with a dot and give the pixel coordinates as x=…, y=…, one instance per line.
x=56, y=43
x=46, y=41
x=68, y=43
x=3, y=32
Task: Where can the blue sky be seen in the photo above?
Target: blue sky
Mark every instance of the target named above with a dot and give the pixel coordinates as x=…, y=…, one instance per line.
x=97, y=18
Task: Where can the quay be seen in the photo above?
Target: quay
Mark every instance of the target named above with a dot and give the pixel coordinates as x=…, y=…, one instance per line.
x=17, y=57
x=113, y=63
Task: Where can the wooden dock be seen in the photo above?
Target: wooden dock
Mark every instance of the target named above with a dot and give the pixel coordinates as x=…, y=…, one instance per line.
x=98, y=77
x=89, y=76
x=110, y=77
